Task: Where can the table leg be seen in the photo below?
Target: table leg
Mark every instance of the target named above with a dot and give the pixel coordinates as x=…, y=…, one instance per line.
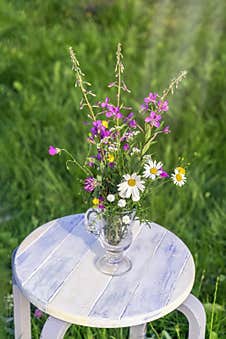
x=54, y=328
x=195, y=313
x=137, y=332
x=21, y=312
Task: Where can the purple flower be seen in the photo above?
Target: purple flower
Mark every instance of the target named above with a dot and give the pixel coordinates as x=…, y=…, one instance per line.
x=126, y=147
x=53, y=150
x=163, y=106
x=99, y=129
x=101, y=206
x=90, y=184
x=151, y=98
x=113, y=111
x=99, y=156
x=154, y=119
x=38, y=313
x=166, y=130
x=133, y=123
x=144, y=107
x=111, y=164
x=105, y=104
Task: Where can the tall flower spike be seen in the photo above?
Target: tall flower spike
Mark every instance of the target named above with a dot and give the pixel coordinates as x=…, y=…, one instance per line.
x=82, y=84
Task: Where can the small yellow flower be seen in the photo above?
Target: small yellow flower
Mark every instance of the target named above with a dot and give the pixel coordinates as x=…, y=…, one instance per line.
x=181, y=170
x=95, y=201
x=105, y=123
x=111, y=157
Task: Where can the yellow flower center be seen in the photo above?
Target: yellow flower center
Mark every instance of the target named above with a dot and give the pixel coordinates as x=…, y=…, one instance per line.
x=105, y=123
x=111, y=157
x=181, y=170
x=132, y=182
x=153, y=170
x=95, y=201
x=179, y=177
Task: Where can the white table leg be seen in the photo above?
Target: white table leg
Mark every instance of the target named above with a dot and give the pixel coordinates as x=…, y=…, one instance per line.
x=137, y=332
x=22, y=321
x=54, y=328
x=195, y=313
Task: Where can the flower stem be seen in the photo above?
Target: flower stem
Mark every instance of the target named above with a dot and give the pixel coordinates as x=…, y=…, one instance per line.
x=76, y=162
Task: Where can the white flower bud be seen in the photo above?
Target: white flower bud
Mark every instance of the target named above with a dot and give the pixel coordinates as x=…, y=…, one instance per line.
x=126, y=219
x=121, y=203
x=111, y=197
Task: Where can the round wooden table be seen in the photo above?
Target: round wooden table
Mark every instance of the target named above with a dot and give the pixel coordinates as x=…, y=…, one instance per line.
x=54, y=269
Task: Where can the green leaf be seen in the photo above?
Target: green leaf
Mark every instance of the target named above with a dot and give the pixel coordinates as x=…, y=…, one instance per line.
x=147, y=132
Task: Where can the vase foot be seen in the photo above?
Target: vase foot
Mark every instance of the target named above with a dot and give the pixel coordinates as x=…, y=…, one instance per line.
x=113, y=268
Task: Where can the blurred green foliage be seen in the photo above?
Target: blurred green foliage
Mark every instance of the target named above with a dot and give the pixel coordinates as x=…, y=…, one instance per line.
x=39, y=106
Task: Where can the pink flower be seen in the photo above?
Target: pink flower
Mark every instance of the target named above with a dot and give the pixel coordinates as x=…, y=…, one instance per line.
x=90, y=184
x=166, y=130
x=163, y=106
x=38, y=313
x=154, y=119
x=53, y=150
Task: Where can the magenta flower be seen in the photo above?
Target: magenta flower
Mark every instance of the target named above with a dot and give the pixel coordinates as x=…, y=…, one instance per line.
x=126, y=147
x=38, y=313
x=163, y=106
x=90, y=184
x=53, y=150
x=164, y=174
x=166, y=130
x=154, y=119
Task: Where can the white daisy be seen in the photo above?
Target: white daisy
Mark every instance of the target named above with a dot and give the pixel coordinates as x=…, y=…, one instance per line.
x=121, y=203
x=152, y=169
x=131, y=186
x=178, y=176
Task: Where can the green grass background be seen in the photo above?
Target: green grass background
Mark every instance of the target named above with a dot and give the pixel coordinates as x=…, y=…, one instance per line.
x=39, y=106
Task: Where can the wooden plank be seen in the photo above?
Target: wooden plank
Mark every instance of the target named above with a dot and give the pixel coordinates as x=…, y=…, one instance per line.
x=76, y=297
x=161, y=274
x=29, y=261
x=34, y=236
x=114, y=299
x=51, y=274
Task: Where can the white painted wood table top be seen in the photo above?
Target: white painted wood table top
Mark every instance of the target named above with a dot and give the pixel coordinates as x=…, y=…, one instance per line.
x=54, y=269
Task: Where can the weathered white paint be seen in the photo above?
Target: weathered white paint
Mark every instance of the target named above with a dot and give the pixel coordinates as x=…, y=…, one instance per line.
x=137, y=332
x=55, y=271
x=195, y=313
x=54, y=329
x=21, y=314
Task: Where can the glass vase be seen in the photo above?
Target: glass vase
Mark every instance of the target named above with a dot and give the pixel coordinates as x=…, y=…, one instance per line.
x=115, y=235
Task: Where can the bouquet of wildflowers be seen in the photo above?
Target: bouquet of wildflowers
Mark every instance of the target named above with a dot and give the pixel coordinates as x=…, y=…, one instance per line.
x=119, y=170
